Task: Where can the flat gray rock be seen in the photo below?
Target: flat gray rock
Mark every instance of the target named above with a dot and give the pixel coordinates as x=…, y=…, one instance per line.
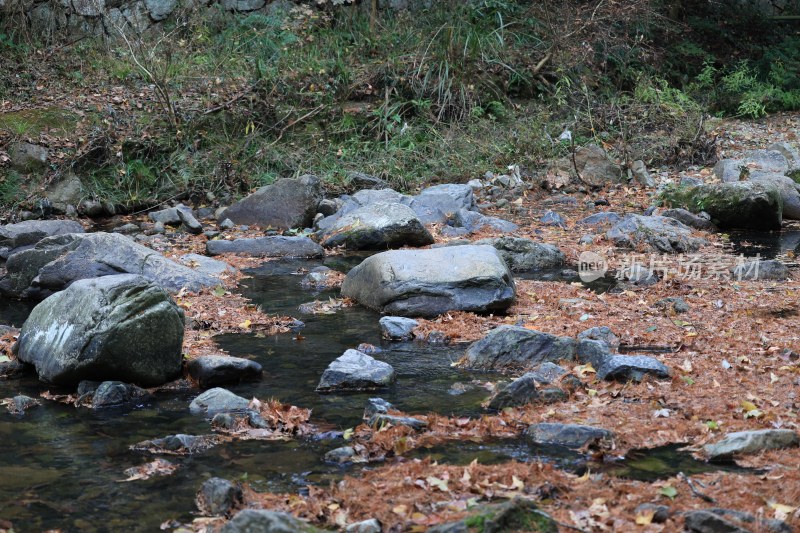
x=514, y=347
x=56, y=262
x=461, y=194
x=30, y=232
x=749, y=442
x=688, y=218
x=112, y=328
x=660, y=234
x=569, y=435
x=377, y=226
x=276, y=246
x=431, y=282
x=397, y=328
x=600, y=219
x=356, y=371
x=631, y=368
x=521, y=254
x=206, y=265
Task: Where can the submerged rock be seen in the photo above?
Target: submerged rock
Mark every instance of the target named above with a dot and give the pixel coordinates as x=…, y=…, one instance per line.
x=114, y=327
x=748, y=442
x=514, y=347
x=276, y=246
x=117, y=393
x=180, y=444
x=259, y=521
x=287, y=203
x=432, y=282
x=377, y=226
x=355, y=370
x=218, y=497
x=214, y=370
x=20, y=403
x=379, y=420
x=569, y=435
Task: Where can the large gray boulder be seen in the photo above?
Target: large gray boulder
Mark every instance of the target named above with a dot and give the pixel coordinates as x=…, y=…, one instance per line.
x=432, y=282
x=275, y=246
x=517, y=348
x=733, y=170
x=521, y=254
x=743, y=204
x=787, y=188
x=56, y=262
x=112, y=328
x=356, y=371
x=287, y=203
x=660, y=234
x=29, y=232
x=377, y=226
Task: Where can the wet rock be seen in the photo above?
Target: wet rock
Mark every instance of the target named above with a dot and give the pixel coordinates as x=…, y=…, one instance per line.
x=27, y=157
x=601, y=219
x=749, y=442
x=592, y=351
x=376, y=406
x=218, y=497
x=180, y=444
x=21, y=403
x=218, y=400
x=27, y=233
x=518, y=514
x=377, y=226
x=595, y=167
x=214, y=370
x=356, y=371
x=547, y=373
x=631, y=368
x=569, y=435
x=259, y=521
x=675, y=303
x=688, y=218
x=761, y=270
x=660, y=513
x=117, y=393
x=397, y=328
x=206, y=265
x=521, y=391
x=660, y=234
x=56, y=262
x=746, y=205
x=115, y=327
x=551, y=218
x=287, y=203
x=708, y=522
x=382, y=419
x=343, y=455
x=365, y=526
x=13, y=368
x=641, y=175
x=601, y=333
x=521, y=254
x=432, y=282
x=319, y=279
x=514, y=347
x=275, y=246
x=223, y=421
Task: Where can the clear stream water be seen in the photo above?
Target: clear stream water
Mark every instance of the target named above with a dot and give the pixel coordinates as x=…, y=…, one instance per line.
x=61, y=467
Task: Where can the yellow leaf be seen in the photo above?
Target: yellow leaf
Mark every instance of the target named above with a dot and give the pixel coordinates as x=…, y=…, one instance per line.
x=419, y=517
x=400, y=510
x=748, y=406
x=246, y=324
x=716, y=384
x=592, y=392
x=440, y=484
x=517, y=484
x=333, y=506
x=782, y=511
x=585, y=477
x=645, y=518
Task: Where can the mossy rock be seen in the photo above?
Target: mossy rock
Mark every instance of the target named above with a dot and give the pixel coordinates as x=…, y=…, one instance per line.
x=515, y=515
x=32, y=122
x=750, y=205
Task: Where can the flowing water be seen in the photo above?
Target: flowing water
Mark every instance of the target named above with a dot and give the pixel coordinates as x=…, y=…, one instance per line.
x=62, y=467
